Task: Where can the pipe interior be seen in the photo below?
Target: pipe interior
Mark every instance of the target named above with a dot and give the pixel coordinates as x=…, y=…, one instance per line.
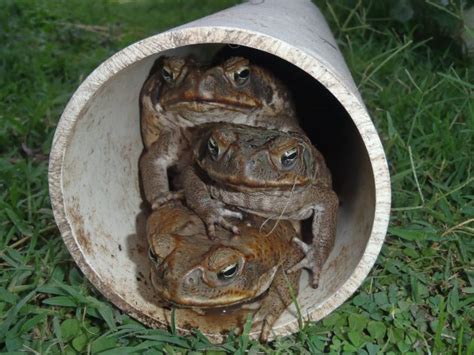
x=102, y=196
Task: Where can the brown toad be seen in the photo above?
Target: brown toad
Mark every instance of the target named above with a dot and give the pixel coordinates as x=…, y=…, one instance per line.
x=191, y=271
x=274, y=174
x=180, y=93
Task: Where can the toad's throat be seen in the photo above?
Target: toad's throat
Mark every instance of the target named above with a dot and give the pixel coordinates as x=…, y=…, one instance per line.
x=245, y=184
x=218, y=307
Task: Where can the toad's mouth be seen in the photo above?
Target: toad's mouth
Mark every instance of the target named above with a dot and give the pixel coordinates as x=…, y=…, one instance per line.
x=201, y=105
x=206, y=303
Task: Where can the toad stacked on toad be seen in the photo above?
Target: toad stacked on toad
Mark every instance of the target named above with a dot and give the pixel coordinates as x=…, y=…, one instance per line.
x=192, y=271
x=231, y=133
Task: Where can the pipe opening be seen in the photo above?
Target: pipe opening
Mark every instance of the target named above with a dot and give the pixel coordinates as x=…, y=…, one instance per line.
x=103, y=205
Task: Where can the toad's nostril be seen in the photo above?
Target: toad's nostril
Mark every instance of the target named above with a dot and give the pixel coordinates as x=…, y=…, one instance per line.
x=210, y=83
x=193, y=277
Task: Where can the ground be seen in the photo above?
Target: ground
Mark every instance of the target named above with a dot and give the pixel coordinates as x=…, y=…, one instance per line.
x=419, y=90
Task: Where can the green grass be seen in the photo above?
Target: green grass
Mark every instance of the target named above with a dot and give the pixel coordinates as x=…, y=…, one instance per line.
x=419, y=297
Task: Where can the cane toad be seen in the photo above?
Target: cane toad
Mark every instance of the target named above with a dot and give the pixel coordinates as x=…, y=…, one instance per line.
x=191, y=271
x=274, y=174
x=181, y=93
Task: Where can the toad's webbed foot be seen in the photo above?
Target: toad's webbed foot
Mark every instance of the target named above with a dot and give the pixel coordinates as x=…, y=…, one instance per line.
x=259, y=321
x=163, y=198
x=266, y=331
x=310, y=261
x=215, y=215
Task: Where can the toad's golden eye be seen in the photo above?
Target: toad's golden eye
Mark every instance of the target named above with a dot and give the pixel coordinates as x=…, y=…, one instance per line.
x=288, y=158
x=167, y=74
x=242, y=75
x=213, y=148
x=228, y=272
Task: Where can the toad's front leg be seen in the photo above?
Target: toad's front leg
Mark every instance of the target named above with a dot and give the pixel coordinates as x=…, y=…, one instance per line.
x=211, y=211
x=154, y=164
x=324, y=233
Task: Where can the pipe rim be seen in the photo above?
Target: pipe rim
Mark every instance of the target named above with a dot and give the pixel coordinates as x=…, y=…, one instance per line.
x=311, y=64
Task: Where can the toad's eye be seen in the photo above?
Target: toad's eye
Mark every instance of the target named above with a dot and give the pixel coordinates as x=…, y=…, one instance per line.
x=242, y=75
x=288, y=159
x=153, y=257
x=228, y=272
x=167, y=75
x=213, y=148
